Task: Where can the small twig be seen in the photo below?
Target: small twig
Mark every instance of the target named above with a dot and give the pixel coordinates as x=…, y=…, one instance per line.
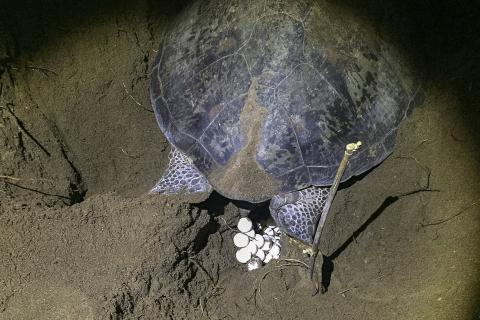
x=23, y=179
x=22, y=127
x=10, y=178
x=427, y=170
x=463, y=210
x=129, y=155
x=350, y=149
x=419, y=144
x=199, y=266
x=226, y=224
x=213, y=292
x=414, y=159
x=290, y=260
x=133, y=98
x=45, y=71
x=201, y=306
x=258, y=282
x=347, y=290
x=37, y=191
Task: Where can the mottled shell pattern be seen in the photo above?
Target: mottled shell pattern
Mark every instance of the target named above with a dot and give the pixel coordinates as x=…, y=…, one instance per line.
x=263, y=96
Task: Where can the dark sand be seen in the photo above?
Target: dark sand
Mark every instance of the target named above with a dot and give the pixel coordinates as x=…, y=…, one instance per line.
x=79, y=149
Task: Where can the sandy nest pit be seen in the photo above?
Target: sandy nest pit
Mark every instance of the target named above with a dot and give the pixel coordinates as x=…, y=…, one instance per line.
x=79, y=149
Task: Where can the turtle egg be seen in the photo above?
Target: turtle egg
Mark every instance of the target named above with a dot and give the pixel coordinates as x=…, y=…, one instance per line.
x=269, y=232
x=268, y=257
x=243, y=255
x=250, y=234
x=254, y=263
x=267, y=245
x=260, y=254
x=240, y=240
x=252, y=247
x=259, y=241
x=244, y=225
x=275, y=251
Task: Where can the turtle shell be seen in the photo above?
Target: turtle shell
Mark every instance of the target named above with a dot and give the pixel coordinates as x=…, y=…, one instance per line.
x=263, y=96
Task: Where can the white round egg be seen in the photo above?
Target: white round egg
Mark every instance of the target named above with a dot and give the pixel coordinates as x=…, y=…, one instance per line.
x=243, y=255
x=267, y=259
x=244, y=225
x=259, y=241
x=240, y=240
x=267, y=245
x=260, y=254
x=252, y=247
x=275, y=251
x=254, y=263
x=269, y=232
x=251, y=234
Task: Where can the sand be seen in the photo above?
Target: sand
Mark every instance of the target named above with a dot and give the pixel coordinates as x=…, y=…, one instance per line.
x=80, y=238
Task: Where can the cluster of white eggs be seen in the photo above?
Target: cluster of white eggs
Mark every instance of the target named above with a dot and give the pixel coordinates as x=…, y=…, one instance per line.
x=256, y=249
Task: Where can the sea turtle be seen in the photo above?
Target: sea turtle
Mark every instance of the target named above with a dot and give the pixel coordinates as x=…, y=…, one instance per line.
x=259, y=98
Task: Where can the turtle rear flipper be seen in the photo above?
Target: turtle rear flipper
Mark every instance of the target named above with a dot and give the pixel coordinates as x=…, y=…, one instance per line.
x=298, y=212
x=181, y=177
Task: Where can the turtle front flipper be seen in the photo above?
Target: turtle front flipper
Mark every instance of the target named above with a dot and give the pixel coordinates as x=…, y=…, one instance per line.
x=297, y=213
x=181, y=176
